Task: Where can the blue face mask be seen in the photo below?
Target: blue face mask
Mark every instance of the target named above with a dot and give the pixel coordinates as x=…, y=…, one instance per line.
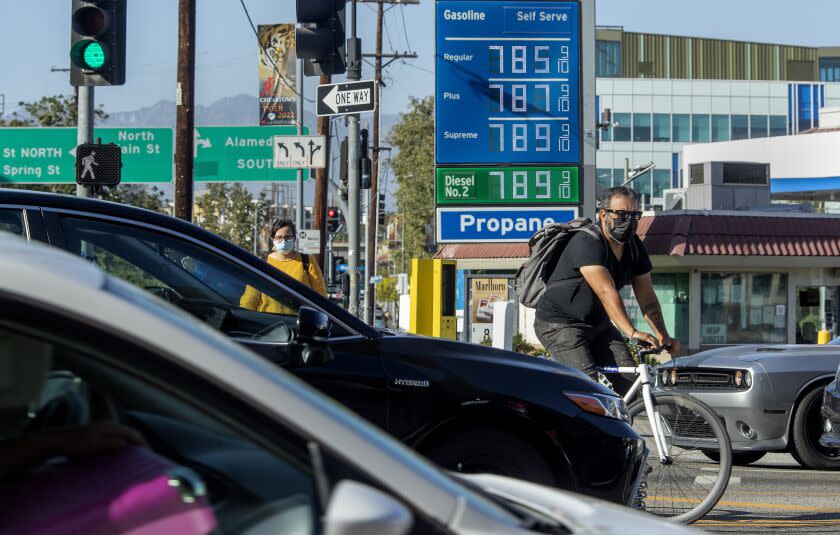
x=284, y=246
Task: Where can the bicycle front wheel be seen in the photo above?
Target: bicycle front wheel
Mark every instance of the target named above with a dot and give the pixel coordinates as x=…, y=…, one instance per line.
x=685, y=485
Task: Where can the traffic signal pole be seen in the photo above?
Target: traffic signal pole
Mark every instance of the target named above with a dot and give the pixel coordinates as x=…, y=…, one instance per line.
x=299, y=184
x=354, y=72
x=84, y=115
x=321, y=178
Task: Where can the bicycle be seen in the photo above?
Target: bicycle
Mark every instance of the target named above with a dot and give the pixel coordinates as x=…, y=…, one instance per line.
x=683, y=431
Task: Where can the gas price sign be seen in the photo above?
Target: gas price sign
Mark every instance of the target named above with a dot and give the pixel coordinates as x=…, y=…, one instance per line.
x=507, y=82
x=506, y=185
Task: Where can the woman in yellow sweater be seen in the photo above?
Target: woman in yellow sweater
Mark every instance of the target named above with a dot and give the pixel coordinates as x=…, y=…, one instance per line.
x=292, y=263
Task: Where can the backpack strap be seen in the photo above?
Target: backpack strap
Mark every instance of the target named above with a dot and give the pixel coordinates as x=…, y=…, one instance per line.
x=305, y=259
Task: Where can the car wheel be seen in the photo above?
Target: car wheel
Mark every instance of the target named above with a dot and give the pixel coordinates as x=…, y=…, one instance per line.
x=807, y=428
x=739, y=458
x=490, y=451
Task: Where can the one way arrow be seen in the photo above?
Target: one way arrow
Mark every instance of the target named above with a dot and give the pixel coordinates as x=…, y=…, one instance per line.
x=329, y=99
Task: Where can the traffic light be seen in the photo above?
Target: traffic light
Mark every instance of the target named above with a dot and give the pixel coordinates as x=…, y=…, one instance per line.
x=97, y=42
x=333, y=219
x=381, y=209
x=320, y=40
x=364, y=160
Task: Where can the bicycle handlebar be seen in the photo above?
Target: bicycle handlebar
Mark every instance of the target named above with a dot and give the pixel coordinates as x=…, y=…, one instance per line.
x=652, y=350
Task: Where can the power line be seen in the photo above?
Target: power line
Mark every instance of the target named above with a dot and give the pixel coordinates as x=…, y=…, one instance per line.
x=405, y=30
x=283, y=79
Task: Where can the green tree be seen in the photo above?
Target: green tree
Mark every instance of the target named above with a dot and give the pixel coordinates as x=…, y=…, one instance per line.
x=414, y=168
x=227, y=209
x=386, y=291
x=61, y=110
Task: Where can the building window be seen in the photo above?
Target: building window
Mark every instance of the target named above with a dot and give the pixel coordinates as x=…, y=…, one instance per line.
x=805, y=109
x=604, y=178
x=621, y=130
x=606, y=133
x=641, y=127
x=758, y=126
x=661, y=182
x=740, y=127
x=672, y=291
x=608, y=58
x=830, y=69
x=681, y=128
x=743, y=308
x=700, y=128
x=778, y=125
x=720, y=128
x=661, y=127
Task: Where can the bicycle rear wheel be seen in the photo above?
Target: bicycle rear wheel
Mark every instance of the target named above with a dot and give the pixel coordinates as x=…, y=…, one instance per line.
x=687, y=485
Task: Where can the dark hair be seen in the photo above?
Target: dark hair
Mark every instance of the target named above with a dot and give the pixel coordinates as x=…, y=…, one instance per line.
x=280, y=223
x=607, y=195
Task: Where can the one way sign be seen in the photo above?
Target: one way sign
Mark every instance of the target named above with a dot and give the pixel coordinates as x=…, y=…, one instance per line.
x=295, y=152
x=346, y=98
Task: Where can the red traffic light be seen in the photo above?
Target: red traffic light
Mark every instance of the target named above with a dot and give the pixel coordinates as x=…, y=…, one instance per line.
x=331, y=213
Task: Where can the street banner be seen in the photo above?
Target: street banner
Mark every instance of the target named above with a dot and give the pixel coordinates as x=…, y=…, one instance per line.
x=277, y=60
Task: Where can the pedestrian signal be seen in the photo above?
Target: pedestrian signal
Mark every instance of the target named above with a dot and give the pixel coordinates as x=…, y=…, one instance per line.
x=98, y=164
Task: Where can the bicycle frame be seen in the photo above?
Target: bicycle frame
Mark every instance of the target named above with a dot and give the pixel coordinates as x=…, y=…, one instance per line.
x=645, y=373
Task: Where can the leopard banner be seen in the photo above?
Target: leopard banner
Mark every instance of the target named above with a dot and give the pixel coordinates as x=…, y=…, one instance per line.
x=278, y=98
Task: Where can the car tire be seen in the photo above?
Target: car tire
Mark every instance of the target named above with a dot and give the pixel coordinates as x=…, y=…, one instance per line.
x=494, y=452
x=807, y=428
x=739, y=458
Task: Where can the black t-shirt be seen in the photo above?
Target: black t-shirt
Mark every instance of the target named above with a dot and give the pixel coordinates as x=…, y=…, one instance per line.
x=568, y=297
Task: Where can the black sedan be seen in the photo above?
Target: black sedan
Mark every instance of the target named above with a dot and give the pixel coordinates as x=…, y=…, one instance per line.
x=467, y=407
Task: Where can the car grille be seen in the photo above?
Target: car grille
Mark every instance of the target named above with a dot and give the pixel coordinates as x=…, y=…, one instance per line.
x=705, y=379
x=690, y=426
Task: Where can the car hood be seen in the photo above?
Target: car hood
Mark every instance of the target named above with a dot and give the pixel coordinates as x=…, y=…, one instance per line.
x=582, y=515
x=747, y=354
x=465, y=351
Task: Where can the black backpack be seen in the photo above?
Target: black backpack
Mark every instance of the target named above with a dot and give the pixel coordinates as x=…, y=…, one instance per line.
x=544, y=250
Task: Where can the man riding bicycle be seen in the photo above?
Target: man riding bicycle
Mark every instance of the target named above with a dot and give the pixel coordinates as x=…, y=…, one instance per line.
x=580, y=318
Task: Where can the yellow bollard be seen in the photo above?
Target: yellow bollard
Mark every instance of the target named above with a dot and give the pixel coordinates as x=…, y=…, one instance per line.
x=823, y=337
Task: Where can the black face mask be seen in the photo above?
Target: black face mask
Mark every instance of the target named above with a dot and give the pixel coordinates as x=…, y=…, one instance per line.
x=622, y=230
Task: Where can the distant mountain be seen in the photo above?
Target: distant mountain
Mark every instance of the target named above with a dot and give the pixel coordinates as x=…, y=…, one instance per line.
x=240, y=110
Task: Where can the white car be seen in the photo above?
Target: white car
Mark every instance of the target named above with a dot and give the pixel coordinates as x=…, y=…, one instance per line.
x=241, y=445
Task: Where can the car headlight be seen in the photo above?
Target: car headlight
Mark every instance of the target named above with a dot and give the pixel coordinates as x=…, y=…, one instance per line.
x=600, y=404
x=743, y=377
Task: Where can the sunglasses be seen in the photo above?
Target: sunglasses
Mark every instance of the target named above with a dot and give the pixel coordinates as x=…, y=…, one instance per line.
x=284, y=238
x=625, y=214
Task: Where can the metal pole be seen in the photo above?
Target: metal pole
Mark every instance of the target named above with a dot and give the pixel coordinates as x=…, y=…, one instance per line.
x=322, y=176
x=299, y=196
x=256, y=212
x=184, y=115
x=353, y=216
x=85, y=126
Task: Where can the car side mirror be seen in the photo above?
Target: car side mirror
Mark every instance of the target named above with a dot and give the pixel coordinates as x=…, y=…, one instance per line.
x=313, y=331
x=357, y=509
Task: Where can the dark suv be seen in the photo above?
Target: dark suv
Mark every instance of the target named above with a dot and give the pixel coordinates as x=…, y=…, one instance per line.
x=467, y=407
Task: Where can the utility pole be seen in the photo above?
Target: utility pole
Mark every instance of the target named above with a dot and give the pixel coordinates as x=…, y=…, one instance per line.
x=185, y=118
x=373, y=198
x=373, y=202
x=299, y=183
x=354, y=72
x=321, y=178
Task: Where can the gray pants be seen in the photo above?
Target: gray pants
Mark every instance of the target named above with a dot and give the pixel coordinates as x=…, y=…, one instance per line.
x=585, y=348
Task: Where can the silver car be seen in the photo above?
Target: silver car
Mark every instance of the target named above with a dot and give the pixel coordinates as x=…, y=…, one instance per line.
x=256, y=450
x=769, y=397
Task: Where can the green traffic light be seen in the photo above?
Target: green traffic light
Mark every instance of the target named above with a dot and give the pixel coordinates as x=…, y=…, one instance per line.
x=93, y=55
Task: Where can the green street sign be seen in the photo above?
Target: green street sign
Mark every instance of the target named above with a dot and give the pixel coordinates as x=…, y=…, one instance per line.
x=240, y=153
x=506, y=185
x=48, y=155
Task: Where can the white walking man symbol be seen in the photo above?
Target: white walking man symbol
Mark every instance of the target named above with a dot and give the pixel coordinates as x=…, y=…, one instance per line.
x=88, y=162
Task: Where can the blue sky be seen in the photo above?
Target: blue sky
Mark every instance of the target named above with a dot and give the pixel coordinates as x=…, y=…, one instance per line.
x=226, y=49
